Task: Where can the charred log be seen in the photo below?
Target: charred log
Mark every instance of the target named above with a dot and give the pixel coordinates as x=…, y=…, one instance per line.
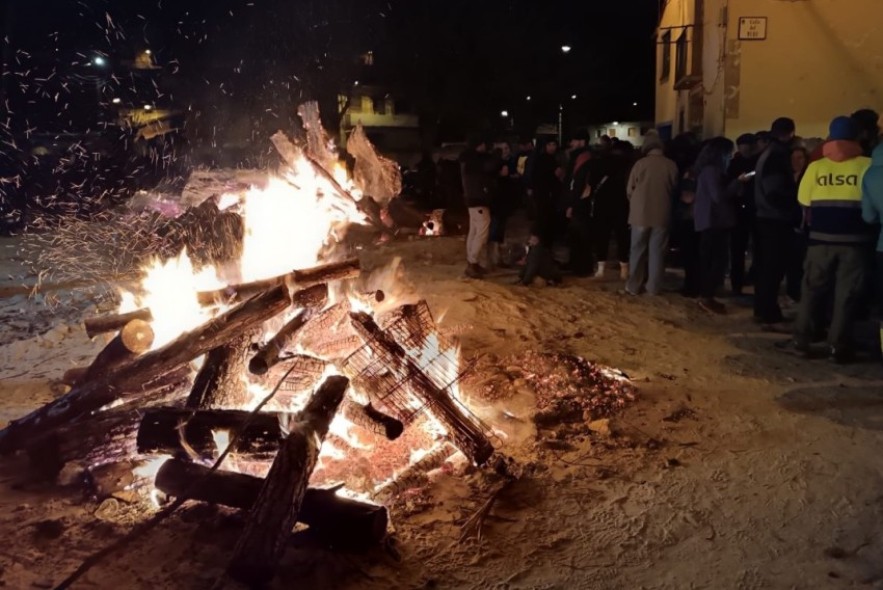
x=338, y=521
x=110, y=323
x=415, y=474
x=135, y=338
x=310, y=301
x=276, y=509
x=466, y=434
x=219, y=382
x=372, y=419
x=185, y=433
x=148, y=367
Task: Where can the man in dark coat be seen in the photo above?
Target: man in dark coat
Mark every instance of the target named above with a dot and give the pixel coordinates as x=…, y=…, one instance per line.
x=778, y=213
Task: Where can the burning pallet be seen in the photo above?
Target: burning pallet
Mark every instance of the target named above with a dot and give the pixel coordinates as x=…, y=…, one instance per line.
x=136, y=405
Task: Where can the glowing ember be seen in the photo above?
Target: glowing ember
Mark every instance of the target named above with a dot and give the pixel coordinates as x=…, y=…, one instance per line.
x=222, y=440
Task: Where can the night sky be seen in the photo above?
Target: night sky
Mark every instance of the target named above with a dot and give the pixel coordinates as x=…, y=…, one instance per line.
x=459, y=63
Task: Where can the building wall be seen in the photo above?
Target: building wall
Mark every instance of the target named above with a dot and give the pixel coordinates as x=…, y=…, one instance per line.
x=821, y=58
x=631, y=131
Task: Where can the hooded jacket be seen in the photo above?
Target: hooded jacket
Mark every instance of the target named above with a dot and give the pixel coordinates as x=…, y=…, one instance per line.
x=775, y=190
x=872, y=193
x=832, y=190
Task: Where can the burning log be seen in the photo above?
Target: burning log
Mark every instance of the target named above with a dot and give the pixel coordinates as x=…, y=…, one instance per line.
x=184, y=432
x=311, y=301
x=135, y=338
x=309, y=277
x=108, y=437
x=338, y=521
x=219, y=382
x=279, y=502
x=97, y=393
x=105, y=437
x=305, y=373
x=109, y=323
x=372, y=419
x=415, y=474
x=465, y=433
x=334, y=271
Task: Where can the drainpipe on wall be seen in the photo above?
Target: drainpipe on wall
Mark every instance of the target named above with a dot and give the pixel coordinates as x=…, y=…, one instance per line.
x=725, y=41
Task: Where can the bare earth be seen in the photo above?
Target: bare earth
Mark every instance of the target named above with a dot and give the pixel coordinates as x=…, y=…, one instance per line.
x=737, y=467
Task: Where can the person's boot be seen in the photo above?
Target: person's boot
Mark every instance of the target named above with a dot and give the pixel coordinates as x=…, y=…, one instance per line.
x=473, y=271
x=600, y=272
x=624, y=271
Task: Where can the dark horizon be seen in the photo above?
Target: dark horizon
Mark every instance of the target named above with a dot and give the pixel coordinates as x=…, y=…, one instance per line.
x=460, y=64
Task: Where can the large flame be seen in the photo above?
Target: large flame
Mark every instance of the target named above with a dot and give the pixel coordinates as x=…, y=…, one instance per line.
x=169, y=291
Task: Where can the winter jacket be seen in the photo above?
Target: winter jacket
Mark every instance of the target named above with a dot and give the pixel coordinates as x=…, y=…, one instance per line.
x=479, y=174
x=832, y=190
x=649, y=189
x=775, y=190
x=872, y=194
x=715, y=204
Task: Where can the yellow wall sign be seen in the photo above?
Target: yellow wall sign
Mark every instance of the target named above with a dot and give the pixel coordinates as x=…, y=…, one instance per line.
x=752, y=28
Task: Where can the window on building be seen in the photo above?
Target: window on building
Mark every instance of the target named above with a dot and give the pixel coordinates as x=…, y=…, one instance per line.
x=379, y=103
x=633, y=132
x=666, y=56
x=611, y=132
x=681, y=56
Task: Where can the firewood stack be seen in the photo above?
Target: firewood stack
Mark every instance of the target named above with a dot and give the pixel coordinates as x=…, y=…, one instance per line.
x=136, y=403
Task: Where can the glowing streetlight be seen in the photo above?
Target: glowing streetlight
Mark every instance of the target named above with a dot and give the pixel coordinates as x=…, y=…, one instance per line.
x=565, y=49
x=116, y=100
x=528, y=98
x=147, y=52
x=99, y=61
x=572, y=97
x=148, y=107
x=616, y=122
x=634, y=104
x=504, y=114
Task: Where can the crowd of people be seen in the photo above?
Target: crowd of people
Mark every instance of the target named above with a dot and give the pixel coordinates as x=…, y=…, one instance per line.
x=766, y=210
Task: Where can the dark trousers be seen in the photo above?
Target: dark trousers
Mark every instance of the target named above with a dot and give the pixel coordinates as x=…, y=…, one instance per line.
x=841, y=270
x=714, y=255
x=739, y=239
x=609, y=227
x=688, y=242
x=794, y=269
x=774, y=243
x=579, y=243
x=498, y=227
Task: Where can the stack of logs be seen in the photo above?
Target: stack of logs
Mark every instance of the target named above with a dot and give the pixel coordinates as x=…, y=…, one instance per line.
x=135, y=402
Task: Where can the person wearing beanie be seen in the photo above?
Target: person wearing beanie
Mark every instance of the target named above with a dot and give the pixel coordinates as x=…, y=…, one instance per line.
x=872, y=212
x=838, y=257
x=777, y=214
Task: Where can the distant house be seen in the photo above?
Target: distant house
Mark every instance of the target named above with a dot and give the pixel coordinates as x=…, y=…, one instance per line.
x=390, y=122
x=630, y=131
x=729, y=67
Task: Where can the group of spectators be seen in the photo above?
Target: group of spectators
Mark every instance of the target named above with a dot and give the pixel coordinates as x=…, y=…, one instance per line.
x=803, y=212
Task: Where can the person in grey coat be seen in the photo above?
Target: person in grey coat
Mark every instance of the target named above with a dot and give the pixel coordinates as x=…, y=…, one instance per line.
x=650, y=185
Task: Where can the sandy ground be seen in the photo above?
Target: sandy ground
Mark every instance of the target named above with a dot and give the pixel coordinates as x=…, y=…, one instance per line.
x=738, y=467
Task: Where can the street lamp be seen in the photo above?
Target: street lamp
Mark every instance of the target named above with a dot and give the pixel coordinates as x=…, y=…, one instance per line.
x=99, y=61
x=116, y=100
x=572, y=97
x=504, y=114
x=528, y=98
x=634, y=104
x=565, y=49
